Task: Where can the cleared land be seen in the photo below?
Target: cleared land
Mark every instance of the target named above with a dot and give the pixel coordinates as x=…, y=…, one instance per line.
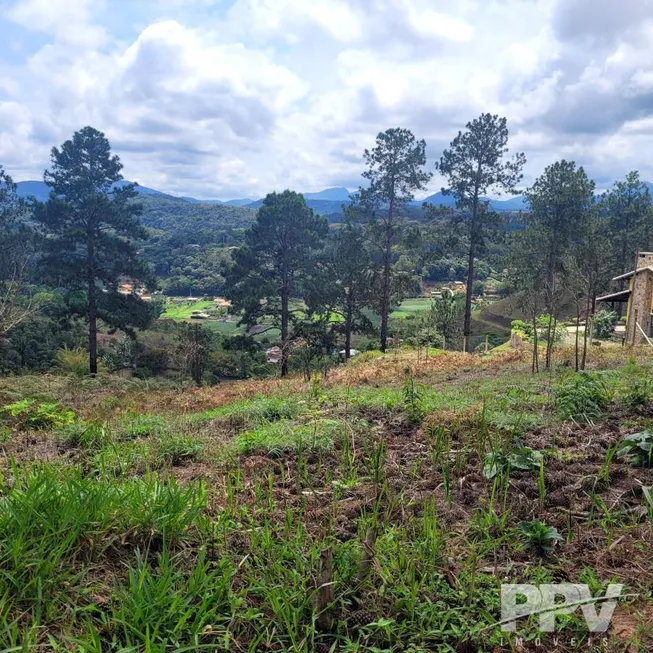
x=352, y=514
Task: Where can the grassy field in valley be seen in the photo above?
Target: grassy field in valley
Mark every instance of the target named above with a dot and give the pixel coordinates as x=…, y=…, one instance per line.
x=377, y=510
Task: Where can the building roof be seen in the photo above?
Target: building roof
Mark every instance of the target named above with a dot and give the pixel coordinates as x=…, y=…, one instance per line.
x=649, y=268
x=621, y=296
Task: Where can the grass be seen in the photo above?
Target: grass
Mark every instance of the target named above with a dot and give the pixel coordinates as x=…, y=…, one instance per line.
x=412, y=307
x=354, y=516
x=183, y=311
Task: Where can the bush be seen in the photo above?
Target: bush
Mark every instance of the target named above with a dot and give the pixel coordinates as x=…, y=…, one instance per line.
x=604, y=323
x=27, y=414
x=524, y=329
x=72, y=361
x=85, y=435
x=582, y=396
x=638, y=394
x=559, y=332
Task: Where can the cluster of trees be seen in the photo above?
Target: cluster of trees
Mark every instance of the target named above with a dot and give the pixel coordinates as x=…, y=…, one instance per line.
x=286, y=268
x=189, y=243
x=363, y=266
x=573, y=243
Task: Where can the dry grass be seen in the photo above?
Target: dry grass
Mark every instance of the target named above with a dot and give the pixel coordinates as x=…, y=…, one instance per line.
x=109, y=397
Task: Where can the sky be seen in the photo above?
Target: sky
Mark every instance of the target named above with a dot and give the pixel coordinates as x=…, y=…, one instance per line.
x=235, y=98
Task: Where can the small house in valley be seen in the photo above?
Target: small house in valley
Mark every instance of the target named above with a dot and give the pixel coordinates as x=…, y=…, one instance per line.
x=639, y=299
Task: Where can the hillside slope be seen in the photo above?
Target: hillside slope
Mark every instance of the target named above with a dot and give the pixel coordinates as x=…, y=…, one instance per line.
x=176, y=215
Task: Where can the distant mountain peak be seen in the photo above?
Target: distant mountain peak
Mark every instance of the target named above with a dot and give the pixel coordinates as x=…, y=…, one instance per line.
x=337, y=194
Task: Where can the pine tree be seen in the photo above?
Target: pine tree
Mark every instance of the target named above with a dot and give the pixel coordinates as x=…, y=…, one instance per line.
x=342, y=283
x=15, y=246
x=474, y=166
x=91, y=226
x=395, y=172
x=559, y=201
x=274, y=264
x=628, y=206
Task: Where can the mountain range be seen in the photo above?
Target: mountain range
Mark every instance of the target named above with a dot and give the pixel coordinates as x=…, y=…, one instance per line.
x=325, y=202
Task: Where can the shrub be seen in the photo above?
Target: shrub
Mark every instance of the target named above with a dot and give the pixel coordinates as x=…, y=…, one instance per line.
x=582, y=396
x=604, y=323
x=27, y=414
x=638, y=394
x=72, y=361
x=559, y=332
x=639, y=448
x=522, y=327
x=85, y=435
x=537, y=535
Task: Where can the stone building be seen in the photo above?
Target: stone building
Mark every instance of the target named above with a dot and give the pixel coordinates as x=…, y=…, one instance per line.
x=639, y=295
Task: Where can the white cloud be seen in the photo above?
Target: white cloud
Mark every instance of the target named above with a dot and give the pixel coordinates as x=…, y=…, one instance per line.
x=69, y=21
x=201, y=98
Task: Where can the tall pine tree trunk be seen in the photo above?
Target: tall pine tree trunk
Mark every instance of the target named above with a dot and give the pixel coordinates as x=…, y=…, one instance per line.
x=285, y=315
x=387, y=276
x=467, y=329
x=348, y=320
x=536, y=356
x=583, y=359
x=576, y=350
x=92, y=307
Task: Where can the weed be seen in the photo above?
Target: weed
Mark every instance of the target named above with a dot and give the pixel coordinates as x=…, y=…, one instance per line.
x=177, y=449
x=537, y=535
x=604, y=472
x=143, y=426
x=27, y=414
x=123, y=458
x=521, y=458
x=48, y=520
x=638, y=394
x=413, y=400
x=276, y=438
x=163, y=605
x=72, y=361
x=639, y=448
x=581, y=397
x=85, y=435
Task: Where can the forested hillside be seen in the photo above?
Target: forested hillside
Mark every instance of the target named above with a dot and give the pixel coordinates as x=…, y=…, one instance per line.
x=178, y=216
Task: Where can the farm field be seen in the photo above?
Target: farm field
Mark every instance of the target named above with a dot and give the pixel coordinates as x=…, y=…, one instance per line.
x=182, y=312
x=377, y=510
